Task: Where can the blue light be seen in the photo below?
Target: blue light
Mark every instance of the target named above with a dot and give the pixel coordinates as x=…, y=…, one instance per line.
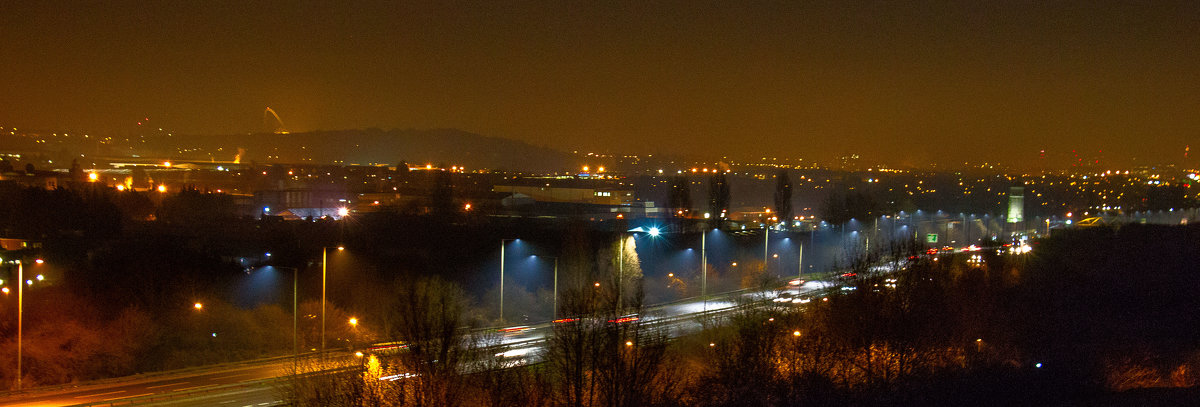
x=654, y=232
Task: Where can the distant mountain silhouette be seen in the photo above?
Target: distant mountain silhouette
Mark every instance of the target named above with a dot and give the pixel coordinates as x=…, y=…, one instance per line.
x=417, y=147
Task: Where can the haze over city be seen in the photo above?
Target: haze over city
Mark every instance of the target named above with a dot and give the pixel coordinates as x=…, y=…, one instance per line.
x=599, y=204
x=905, y=84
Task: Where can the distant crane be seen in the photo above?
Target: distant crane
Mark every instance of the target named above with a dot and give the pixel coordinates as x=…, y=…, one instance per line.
x=273, y=123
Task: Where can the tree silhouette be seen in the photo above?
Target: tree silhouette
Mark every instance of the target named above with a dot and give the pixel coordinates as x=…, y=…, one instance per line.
x=679, y=199
x=783, y=197
x=718, y=197
x=441, y=199
x=842, y=205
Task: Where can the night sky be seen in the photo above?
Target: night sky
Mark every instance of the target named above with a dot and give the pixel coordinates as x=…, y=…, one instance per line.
x=898, y=82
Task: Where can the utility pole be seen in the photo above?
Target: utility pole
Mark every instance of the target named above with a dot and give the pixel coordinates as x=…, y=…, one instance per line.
x=20, y=314
x=704, y=268
x=502, y=281
x=324, y=272
x=800, y=263
x=766, y=238
x=556, y=288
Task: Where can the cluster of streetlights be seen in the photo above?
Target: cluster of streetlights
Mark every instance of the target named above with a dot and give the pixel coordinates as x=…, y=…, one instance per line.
x=21, y=283
x=352, y=321
x=652, y=232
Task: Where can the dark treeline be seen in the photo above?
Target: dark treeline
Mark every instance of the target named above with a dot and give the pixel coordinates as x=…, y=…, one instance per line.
x=1096, y=316
x=1100, y=309
x=124, y=270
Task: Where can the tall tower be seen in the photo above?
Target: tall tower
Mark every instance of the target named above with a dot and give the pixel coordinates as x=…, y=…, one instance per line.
x=1016, y=204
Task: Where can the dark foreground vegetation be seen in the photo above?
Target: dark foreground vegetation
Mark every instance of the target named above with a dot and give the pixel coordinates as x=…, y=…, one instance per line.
x=121, y=294
x=1091, y=317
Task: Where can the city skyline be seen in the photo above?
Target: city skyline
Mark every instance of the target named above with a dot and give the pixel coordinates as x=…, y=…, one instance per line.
x=901, y=84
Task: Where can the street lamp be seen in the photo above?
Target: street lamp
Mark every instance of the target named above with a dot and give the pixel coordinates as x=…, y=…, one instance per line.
x=324, y=272
x=704, y=269
x=295, y=307
x=20, y=315
x=766, y=240
x=653, y=232
x=555, y=284
x=21, y=283
x=502, y=276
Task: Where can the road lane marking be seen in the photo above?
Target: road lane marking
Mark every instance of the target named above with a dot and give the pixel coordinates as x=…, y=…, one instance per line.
x=101, y=394
x=195, y=387
x=165, y=385
x=228, y=376
x=127, y=397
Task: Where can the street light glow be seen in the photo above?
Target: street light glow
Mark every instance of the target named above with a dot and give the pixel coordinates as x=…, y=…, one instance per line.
x=353, y=321
x=343, y=211
x=654, y=232
x=198, y=306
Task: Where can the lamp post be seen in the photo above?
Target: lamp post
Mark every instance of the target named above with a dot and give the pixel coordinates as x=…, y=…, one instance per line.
x=704, y=269
x=324, y=273
x=966, y=231
x=766, y=239
x=620, y=274
x=295, y=310
x=21, y=283
x=502, y=277
x=20, y=315
x=653, y=232
x=555, y=284
x=800, y=263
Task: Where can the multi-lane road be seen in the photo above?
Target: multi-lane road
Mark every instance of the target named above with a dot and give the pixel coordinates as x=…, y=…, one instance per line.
x=210, y=382
x=256, y=383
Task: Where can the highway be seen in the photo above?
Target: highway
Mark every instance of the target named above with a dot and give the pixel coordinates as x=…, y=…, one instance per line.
x=197, y=383
x=255, y=383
